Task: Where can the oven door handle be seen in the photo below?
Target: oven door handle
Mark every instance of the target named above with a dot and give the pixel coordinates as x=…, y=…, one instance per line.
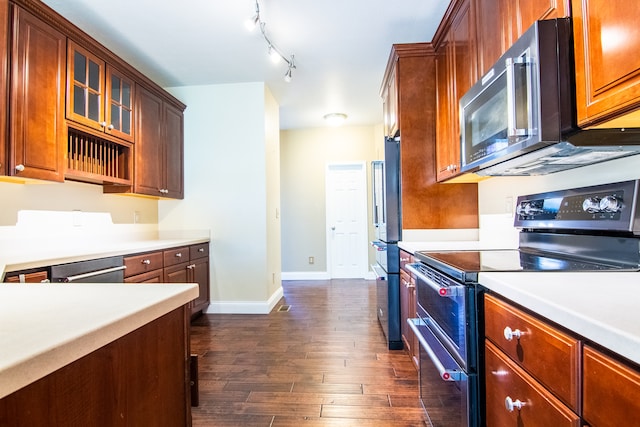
x=93, y=274
x=446, y=365
x=443, y=291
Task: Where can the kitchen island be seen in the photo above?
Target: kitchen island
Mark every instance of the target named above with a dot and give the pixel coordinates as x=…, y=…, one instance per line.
x=78, y=353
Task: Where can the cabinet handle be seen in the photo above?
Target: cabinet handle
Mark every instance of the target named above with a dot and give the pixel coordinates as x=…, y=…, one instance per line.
x=179, y=254
x=191, y=266
x=146, y=261
x=404, y=259
x=511, y=404
x=19, y=168
x=510, y=334
x=200, y=249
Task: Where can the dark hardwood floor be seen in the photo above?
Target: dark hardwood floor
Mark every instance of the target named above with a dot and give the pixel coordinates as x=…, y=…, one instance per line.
x=322, y=363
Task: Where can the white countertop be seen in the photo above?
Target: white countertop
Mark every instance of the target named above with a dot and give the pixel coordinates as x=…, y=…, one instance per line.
x=41, y=252
x=47, y=326
x=601, y=307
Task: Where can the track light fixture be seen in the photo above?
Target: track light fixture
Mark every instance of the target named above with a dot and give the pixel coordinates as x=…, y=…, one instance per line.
x=275, y=54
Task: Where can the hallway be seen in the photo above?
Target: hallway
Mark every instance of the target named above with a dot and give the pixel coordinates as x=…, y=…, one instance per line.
x=322, y=363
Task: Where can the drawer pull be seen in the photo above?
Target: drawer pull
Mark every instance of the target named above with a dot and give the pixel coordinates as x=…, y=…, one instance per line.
x=146, y=261
x=510, y=334
x=200, y=249
x=179, y=255
x=511, y=404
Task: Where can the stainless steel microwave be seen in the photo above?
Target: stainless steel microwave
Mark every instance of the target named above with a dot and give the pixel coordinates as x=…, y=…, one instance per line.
x=519, y=118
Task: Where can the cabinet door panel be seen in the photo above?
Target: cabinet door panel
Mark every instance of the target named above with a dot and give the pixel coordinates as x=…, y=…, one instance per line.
x=177, y=273
x=200, y=272
x=36, y=133
x=611, y=391
x=85, y=86
x=119, y=105
x=607, y=64
x=148, y=148
x=174, y=151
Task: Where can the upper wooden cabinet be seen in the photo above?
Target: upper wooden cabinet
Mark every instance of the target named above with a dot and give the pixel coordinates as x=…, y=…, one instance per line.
x=456, y=73
x=98, y=95
x=425, y=204
x=526, y=12
x=495, y=31
x=606, y=45
x=36, y=122
x=159, y=169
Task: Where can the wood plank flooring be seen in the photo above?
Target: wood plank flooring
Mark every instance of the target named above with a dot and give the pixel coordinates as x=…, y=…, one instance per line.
x=322, y=363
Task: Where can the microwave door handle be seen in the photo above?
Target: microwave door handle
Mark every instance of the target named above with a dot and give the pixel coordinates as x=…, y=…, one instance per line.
x=512, y=130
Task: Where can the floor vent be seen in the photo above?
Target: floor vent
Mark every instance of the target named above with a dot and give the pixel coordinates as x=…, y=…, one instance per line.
x=284, y=308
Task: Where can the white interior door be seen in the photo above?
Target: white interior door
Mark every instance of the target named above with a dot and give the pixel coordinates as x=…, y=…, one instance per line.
x=346, y=201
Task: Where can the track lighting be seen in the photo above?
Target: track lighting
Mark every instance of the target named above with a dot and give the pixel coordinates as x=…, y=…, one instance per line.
x=275, y=54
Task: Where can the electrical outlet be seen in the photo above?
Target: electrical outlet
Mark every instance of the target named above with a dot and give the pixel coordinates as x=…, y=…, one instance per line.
x=136, y=217
x=312, y=260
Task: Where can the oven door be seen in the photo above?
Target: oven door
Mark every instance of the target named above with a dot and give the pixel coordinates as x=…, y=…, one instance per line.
x=446, y=391
x=446, y=306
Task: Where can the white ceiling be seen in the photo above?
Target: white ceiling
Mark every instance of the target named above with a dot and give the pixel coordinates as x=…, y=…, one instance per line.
x=341, y=47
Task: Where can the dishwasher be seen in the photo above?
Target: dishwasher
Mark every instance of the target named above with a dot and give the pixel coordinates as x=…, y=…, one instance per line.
x=101, y=270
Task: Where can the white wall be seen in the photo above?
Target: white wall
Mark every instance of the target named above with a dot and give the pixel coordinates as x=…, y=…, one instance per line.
x=226, y=178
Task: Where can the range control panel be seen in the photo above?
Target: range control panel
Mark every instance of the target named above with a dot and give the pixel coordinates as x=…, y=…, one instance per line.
x=611, y=207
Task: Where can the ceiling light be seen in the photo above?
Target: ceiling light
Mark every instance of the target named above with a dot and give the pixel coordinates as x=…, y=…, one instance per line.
x=252, y=23
x=335, y=119
x=275, y=54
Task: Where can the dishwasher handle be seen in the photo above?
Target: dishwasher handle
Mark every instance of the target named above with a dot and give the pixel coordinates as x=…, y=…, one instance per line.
x=92, y=274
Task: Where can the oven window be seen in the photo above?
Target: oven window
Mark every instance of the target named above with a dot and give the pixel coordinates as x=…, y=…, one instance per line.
x=449, y=315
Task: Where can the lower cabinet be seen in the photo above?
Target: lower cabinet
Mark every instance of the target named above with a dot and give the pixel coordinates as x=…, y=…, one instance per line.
x=611, y=391
x=539, y=375
x=185, y=264
x=140, y=379
x=408, y=308
x=29, y=276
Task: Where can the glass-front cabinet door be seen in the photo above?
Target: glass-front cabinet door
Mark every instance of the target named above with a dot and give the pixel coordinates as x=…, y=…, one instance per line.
x=98, y=96
x=119, y=108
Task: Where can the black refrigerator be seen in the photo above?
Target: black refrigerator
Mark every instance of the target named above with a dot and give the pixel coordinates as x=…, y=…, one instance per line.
x=387, y=221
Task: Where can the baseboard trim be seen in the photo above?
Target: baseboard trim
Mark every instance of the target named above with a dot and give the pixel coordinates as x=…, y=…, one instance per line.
x=317, y=275
x=305, y=275
x=245, y=307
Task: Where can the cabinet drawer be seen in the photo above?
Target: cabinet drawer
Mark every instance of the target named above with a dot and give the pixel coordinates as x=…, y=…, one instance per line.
x=155, y=276
x=199, y=251
x=549, y=355
x=611, y=391
x=405, y=258
x=137, y=264
x=176, y=256
x=506, y=380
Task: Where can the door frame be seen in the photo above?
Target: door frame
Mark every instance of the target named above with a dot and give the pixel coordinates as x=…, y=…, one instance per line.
x=364, y=216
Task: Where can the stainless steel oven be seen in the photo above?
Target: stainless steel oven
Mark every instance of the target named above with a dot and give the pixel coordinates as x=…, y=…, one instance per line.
x=446, y=330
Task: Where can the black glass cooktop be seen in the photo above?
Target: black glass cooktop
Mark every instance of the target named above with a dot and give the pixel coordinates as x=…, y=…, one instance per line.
x=465, y=265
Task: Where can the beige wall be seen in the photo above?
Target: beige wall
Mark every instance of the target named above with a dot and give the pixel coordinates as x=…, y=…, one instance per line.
x=69, y=196
x=304, y=155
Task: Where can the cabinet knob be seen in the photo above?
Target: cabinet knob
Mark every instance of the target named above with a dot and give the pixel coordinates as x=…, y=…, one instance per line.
x=110, y=127
x=511, y=404
x=19, y=168
x=146, y=261
x=200, y=249
x=179, y=255
x=510, y=334
x=103, y=124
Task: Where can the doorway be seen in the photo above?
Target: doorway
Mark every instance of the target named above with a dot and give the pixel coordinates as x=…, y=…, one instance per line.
x=346, y=213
